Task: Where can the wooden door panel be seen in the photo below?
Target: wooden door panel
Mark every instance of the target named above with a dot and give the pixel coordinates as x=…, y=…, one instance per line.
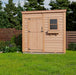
x=36, y=41
x=35, y=25
x=35, y=34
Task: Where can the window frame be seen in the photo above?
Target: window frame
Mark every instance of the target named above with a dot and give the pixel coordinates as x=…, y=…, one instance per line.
x=53, y=24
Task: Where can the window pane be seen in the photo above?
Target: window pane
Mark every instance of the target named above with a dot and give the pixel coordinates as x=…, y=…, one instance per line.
x=53, y=21
x=53, y=26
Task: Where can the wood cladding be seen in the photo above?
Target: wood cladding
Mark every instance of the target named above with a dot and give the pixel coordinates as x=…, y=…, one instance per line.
x=36, y=37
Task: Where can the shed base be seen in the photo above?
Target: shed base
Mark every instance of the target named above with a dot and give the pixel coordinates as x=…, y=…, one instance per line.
x=43, y=53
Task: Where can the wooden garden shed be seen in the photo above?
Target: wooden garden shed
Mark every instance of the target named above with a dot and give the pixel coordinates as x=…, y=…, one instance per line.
x=44, y=31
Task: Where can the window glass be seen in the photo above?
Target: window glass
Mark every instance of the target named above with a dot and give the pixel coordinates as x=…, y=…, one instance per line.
x=53, y=23
x=53, y=26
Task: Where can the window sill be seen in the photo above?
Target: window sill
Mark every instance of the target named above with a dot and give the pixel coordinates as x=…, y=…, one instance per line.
x=53, y=31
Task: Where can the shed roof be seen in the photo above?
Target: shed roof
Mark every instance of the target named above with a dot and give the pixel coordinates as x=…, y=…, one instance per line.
x=43, y=11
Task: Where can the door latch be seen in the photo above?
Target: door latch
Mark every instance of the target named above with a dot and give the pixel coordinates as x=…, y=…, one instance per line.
x=28, y=31
x=29, y=49
x=41, y=29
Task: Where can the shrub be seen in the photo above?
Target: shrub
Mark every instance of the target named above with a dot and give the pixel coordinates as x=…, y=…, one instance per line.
x=10, y=48
x=13, y=39
x=7, y=46
x=72, y=46
x=3, y=44
x=18, y=41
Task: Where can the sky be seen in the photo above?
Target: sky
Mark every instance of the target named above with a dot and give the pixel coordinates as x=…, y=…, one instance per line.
x=22, y=2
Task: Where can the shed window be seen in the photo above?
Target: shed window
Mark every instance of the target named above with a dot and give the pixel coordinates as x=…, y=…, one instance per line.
x=53, y=23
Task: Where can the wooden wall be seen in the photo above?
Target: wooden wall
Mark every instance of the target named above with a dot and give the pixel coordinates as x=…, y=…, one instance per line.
x=70, y=37
x=7, y=33
x=51, y=43
x=54, y=43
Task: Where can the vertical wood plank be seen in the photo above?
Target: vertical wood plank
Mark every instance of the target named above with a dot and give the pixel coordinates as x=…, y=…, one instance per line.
x=43, y=33
x=64, y=32
x=23, y=46
x=28, y=34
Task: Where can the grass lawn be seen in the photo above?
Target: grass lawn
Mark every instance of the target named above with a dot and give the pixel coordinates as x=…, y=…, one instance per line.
x=37, y=64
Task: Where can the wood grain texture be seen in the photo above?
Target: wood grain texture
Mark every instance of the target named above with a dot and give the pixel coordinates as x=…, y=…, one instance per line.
x=35, y=34
x=43, y=41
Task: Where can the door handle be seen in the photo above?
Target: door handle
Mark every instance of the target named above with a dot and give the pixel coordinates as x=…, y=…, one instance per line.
x=28, y=31
x=41, y=29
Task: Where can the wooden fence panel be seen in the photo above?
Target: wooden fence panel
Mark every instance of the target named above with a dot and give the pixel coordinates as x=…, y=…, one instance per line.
x=7, y=33
x=70, y=37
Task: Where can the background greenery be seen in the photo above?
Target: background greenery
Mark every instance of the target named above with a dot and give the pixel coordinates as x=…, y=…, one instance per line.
x=11, y=17
x=72, y=46
x=14, y=45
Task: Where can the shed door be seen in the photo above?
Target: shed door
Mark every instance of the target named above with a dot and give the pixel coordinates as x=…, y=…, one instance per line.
x=35, y=34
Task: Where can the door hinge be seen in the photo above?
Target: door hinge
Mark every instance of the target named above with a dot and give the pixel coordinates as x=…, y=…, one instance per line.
x=28, y=31
x=29, y=49
x=28, y=18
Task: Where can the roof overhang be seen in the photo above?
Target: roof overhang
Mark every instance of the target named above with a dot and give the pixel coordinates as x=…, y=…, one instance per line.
x=43, y=11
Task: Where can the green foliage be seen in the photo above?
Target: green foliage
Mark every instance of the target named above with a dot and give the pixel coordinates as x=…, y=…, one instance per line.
x=19, y=15
x=71, y=18
x=0, y=5
x=18, y=41
x=11, y=11
x=7, y=46
x=60, y=4
x=3, y=44
x=12, y=47
x=72, y=46
x=13, y=39
x=34, y=5
x=3, y=20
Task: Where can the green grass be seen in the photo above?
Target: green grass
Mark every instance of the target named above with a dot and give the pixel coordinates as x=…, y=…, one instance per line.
x=37, y=64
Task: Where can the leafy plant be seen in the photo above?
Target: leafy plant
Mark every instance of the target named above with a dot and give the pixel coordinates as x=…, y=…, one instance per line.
x=7, y=46
x=18, y=41
x=72, y=46
x=3, y=44
x=13, y=39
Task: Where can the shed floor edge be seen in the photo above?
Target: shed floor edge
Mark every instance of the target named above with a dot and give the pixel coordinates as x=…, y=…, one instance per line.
x=43, y=52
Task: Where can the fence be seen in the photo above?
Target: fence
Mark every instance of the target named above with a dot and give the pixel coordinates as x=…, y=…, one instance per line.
x=70, y=37
x=7, y=33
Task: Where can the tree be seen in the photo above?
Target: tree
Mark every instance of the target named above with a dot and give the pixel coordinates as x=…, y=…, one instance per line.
x=60, y=4
x=34, y=5
x=71, y=21
x=3, y=20
x=11, y=11
x=19, y=14
x=0, y=5
x=3, y=17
